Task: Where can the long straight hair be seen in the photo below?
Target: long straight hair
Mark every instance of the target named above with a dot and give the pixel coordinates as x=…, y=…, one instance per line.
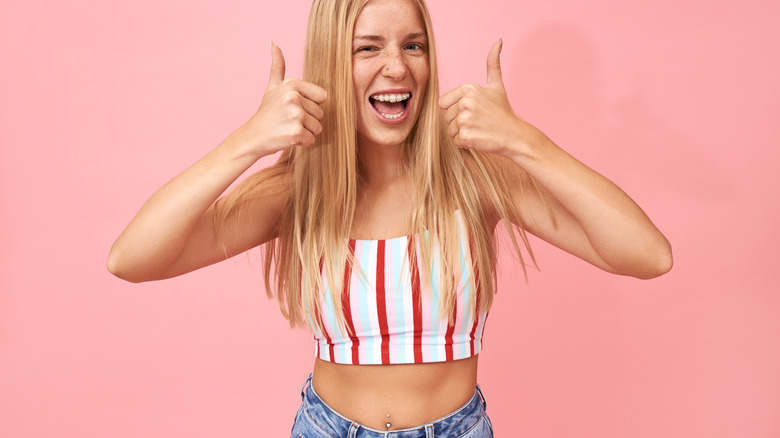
x=311, y=248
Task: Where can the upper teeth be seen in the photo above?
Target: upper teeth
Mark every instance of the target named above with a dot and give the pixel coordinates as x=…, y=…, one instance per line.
x=391, y=97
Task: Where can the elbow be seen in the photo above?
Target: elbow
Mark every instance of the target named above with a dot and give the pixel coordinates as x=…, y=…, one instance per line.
x=116, y=269
x=659, y=263
x=119, y=267
x=667, y=262
x=650, y=261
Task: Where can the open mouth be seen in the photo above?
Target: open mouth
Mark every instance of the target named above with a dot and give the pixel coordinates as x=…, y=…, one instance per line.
x=391, y=106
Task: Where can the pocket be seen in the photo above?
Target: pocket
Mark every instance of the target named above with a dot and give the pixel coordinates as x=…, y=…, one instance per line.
x=297, y=428
x=308, y=426
x=490, y=425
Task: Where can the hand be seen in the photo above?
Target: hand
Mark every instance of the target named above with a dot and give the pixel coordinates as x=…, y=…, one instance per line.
x=289, y=114
x=481, y=117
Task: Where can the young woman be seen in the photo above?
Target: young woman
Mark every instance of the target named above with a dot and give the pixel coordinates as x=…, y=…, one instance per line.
x=378, y=219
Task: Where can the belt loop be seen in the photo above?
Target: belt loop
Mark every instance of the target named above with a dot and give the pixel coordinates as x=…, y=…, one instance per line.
x=303, y=387
x=429, y=431
x=353, y=430
x=484, y=402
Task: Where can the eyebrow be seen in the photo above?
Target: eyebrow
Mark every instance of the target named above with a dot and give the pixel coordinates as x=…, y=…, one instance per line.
x=410, y=36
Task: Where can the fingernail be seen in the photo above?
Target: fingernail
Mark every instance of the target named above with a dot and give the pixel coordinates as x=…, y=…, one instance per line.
x=500, y=44
x=272, y=43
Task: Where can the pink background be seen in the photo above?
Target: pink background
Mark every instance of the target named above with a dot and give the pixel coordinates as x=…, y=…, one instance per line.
x=676, y=101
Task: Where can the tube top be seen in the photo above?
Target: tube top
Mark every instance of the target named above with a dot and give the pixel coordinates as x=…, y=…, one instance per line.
x=390, y=318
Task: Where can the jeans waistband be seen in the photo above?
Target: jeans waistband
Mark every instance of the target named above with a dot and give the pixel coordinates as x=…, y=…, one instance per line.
x=453, y=424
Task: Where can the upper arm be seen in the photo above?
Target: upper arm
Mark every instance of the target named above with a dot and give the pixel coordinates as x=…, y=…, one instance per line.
x=254, y=222
x=542, y=215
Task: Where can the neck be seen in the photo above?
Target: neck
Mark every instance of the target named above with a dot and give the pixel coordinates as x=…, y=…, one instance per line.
x=380, y=165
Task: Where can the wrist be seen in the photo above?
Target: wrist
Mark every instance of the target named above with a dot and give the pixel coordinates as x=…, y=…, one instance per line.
x=528, y=144
x=241, y=147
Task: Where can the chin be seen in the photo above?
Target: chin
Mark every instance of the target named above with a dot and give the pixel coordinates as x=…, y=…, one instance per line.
x=384, y=134
x=383, y=140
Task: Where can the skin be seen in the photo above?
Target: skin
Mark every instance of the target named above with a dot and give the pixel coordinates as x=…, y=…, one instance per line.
x=388, y=56
x=393, y=58
x=594, y=219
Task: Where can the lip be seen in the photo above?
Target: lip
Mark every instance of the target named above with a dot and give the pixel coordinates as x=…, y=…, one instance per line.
x=404, y=115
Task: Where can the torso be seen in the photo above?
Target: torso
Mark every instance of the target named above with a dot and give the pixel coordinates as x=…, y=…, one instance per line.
x=412, y=394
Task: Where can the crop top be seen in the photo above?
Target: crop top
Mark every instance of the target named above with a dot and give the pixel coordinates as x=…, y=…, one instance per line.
x=391, y=319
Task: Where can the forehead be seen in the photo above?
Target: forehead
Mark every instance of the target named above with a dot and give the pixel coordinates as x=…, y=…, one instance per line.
x=389, y=16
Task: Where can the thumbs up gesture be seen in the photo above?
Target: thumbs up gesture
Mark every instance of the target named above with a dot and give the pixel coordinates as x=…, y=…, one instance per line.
x=481, y=117
x=289, y=114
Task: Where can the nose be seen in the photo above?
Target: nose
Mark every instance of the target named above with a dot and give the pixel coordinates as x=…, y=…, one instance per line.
x=395, y=66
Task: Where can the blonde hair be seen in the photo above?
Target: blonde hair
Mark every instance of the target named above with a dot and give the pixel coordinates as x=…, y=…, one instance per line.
x=314, y=228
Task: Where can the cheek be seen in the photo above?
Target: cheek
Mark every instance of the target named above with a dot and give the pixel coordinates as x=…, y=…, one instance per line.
x=422, y=72
x=423, y=80
x=421, y=77
x=361, y=78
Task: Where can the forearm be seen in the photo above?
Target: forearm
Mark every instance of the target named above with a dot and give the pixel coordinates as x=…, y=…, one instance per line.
x=161, y=229
x=594, y=219
x=616, y=228
x=173, y=232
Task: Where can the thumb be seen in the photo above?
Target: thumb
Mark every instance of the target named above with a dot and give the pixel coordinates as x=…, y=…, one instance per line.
x=277, y=66
x=494, y=66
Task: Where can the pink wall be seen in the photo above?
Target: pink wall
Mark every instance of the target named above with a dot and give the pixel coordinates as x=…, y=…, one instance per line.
x=677, y=101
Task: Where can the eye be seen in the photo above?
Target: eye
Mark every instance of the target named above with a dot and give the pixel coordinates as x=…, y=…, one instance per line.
x=413, y=46
x=365, y=49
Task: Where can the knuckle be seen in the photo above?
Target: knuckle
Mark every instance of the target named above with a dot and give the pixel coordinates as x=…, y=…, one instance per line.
x=296, y=141
x=292, y=97
x=303, y=139
x=298, y=131
x=464, y=118
x=470, y=89
x=297, y=113
x=465, y=135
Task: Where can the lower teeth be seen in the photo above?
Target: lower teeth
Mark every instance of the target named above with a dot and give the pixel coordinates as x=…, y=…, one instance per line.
x=391, y=116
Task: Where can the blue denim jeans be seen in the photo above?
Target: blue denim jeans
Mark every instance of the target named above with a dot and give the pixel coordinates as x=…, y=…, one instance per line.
x=315, y=419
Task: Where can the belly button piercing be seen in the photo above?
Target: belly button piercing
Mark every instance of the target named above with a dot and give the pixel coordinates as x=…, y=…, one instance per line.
x=388, y=422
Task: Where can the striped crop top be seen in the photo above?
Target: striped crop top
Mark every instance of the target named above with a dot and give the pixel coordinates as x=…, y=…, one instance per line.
x=392, y=320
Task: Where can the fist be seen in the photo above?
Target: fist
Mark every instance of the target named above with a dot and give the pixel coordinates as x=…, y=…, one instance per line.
x=481, y=117
x=289, y=114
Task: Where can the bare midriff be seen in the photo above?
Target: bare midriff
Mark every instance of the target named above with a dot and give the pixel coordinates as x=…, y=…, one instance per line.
x=412, y=395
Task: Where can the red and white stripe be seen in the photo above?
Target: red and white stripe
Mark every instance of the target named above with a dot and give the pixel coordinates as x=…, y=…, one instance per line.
x=392, y=318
